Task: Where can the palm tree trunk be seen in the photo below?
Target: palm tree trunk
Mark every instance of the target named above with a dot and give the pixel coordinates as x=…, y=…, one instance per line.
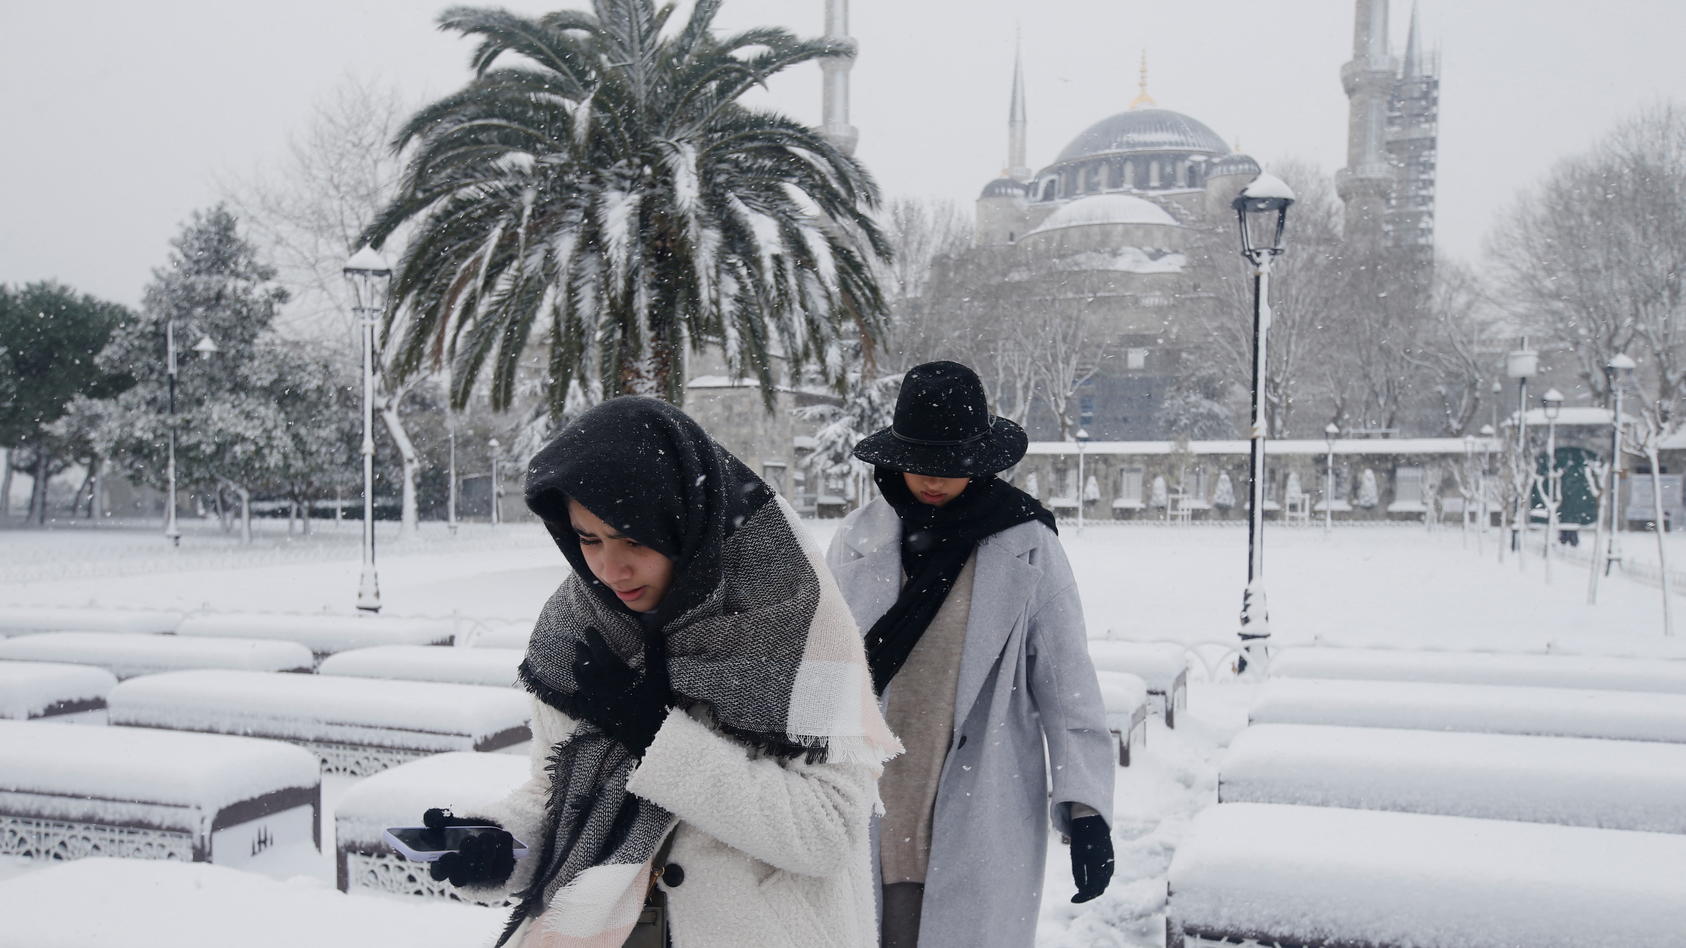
x=412, y=463
x=38, y=493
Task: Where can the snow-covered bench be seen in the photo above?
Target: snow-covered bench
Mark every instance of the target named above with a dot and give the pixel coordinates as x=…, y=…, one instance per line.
x=30, y=690
x=1483, y=668
x=497, y=634
x=1494, y=709
x=465, y=666
x=1163, y=666
x=1125, y=696
x=322, y=634
x=126, y=655
x=1571, y=781
x=1320, y=877
x=69, y=791
x=19, y=620
x=397, y=797
x=141, y=904
x=356, y=726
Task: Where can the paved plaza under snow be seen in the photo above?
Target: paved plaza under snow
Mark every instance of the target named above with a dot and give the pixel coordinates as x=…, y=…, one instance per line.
x=1360, y=589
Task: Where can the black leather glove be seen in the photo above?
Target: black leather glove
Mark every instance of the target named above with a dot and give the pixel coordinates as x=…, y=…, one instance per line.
x=623, y=704
x=485, y=858
x=1091, y=857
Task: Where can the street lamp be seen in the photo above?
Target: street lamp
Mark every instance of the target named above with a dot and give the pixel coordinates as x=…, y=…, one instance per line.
x=1330, y=430
x=451, y=490
x=1082, y=441
x=368, y=274
x=1521, y=365
x=1487, y=433
x=206, y=348
x=1552, y=400
x=1261, y=210
x=1469, y=466
x=1618, y=373
x=493, y=444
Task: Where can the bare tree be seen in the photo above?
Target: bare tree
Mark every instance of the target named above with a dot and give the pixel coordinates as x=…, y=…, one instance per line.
x=921, y=231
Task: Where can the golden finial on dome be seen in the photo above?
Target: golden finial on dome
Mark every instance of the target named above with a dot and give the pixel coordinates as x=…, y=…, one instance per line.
x=1143, y=100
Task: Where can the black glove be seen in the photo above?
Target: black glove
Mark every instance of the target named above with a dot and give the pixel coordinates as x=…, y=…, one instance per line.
x=624, y=705
x=1091, y=856
x=485, y=858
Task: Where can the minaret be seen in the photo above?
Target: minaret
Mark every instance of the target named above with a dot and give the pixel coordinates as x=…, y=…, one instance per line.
x=1017, y=169
x=836, y=125
x=1413, y=145
x=1367, y=179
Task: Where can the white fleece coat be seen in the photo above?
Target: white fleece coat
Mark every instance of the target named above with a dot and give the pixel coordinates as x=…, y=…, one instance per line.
x=773, y=854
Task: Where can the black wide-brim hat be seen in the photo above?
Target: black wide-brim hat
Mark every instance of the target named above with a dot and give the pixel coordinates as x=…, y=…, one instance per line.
x=943, y=428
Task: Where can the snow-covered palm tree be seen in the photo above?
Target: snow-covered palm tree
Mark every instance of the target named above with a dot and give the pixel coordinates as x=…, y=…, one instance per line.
x=600, y=183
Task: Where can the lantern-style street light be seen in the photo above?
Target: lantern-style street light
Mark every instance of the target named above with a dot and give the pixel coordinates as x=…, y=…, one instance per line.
x=493, y=444
x=1261, y=210
x=1618, y=374
x=206, y=348
x=1552, y=402
x=1330, y=432
x=1521, y=365
x=1487, y=432
x=368, y=274
x=1082, y=442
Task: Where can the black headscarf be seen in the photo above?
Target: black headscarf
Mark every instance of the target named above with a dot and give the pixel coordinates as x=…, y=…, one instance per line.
x=936, y=542
x=648, y=470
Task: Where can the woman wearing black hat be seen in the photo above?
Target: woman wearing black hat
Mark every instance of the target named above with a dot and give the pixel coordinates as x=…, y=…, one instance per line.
x=976, y=644
x=702, y=711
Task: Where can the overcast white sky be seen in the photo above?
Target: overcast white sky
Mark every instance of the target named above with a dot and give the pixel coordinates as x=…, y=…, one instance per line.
x=118, y=118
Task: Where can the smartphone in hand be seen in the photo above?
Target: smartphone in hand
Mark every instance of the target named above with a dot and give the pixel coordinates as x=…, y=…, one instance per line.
x=421, y=844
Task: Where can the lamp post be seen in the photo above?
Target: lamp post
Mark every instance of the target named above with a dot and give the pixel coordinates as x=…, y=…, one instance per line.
x=1521, y=366
x=206, y=348
x=451, y=488
x=1082, y=442
x=1481, y=482
x=1552, y=401
x=368, y=274
x=1261, y=210
x=1618, y=372
x=1469, y=468
x=1330, y=430
x=493, y=444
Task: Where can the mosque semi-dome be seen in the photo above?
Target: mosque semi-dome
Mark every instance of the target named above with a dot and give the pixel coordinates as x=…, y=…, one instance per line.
x=1004, y=187
x=1143, y=130
x=1102, y=209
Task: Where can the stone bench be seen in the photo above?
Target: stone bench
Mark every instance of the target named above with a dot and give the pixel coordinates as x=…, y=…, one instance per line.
x=1570, y=781
x=31, y=690
x=322, y=634
x=70, y=791
x=364, y=861
x=20, y=620
x=356, y=726
x=1162, y=665
x=464, y=666
x=126, y=655
x=1319, y=877
x=141, y=904
x=1492, y=709
x=1483, y=668
x=1125, y=697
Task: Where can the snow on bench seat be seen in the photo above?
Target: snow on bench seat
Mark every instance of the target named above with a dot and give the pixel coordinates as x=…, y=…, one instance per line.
x=466, y=666
x=1300, y=876
x=1125, y=697
x=322, y=634
x=397, y=797
x=1571, y=781
x=18, y=620
x=498, y=635
x=51, y=690
x=139, y=904
x=129, y=655
x=1483, y=668
x=1494, y=709
x=69, y=791
x=356, y=726
x=1162, y=665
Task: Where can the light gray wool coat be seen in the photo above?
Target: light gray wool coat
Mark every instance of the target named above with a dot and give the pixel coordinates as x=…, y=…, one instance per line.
x=1026, y=682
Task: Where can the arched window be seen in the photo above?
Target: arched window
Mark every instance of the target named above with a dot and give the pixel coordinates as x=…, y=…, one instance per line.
x=1050, y=189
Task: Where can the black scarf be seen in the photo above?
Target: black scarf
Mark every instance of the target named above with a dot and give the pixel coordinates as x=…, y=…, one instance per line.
x=936, y=542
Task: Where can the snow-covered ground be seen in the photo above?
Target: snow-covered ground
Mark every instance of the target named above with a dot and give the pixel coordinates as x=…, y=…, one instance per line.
x=1399, y=586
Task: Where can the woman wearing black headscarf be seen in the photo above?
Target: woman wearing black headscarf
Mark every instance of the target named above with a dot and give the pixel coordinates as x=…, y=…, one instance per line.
x=974, y=634
x=702, y=710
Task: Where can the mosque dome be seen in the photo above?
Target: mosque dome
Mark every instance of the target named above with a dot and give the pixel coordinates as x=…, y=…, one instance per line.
x=1101, y=209
x=1235, y=163
x=1003, y=187
x=1141, y=130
